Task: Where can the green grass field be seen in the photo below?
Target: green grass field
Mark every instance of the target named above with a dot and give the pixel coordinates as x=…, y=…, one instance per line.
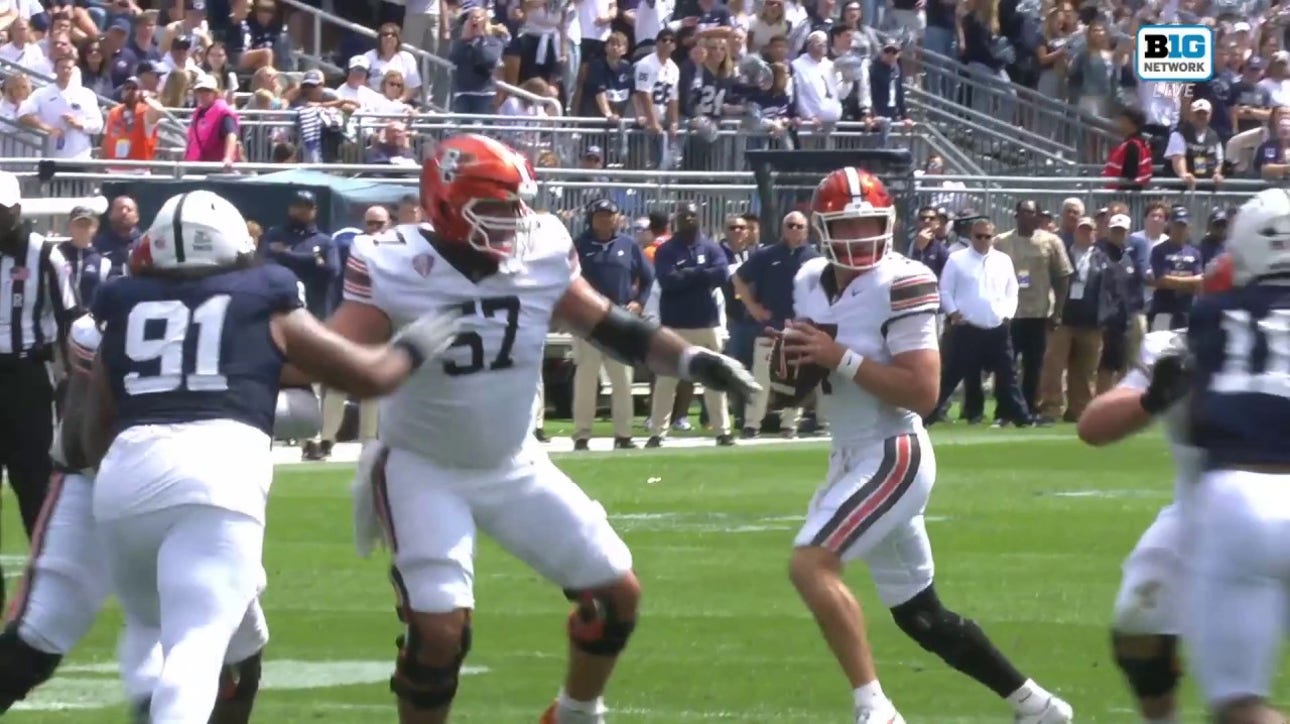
x=1029, y=529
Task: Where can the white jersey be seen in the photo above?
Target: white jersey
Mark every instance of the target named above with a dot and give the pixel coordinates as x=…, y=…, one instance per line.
x=473, y=407
x=884, y=312
x=1188, y=460
x=83, y=345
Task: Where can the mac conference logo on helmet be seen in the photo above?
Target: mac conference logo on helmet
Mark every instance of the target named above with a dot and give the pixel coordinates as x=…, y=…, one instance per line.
x=1174, y=53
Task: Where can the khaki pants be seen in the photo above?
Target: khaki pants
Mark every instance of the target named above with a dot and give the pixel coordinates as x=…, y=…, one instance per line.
x=665, y=389
x=760, y=401
x=586, y=385
x=1077, y=352
x=333, y=413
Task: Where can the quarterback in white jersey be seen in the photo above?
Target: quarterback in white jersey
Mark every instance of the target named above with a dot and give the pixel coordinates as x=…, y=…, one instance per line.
x=456, y=452
x=1148, y=618
x=881, y=372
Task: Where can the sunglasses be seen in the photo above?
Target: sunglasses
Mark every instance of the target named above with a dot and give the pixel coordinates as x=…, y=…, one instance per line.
x=795, y=226
x=983, y=237
x=389, y=34
x=393, y=84
x=371, y=222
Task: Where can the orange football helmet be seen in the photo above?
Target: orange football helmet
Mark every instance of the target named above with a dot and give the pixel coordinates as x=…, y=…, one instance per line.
x=476, y=190
x=854, y=217
x=1219, y=275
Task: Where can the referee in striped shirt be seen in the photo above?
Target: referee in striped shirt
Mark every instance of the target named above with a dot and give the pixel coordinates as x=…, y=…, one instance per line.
x=37, y=306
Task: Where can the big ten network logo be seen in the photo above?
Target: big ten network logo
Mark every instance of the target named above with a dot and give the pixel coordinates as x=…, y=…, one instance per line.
x=1174, y=53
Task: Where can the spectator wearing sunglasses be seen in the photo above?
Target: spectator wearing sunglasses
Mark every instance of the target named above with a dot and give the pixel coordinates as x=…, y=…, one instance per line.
x=764, y=284
x=979, y=295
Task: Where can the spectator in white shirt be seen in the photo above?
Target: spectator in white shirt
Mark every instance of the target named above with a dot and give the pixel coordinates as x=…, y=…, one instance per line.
x=59, y=24
x=425, y=25
x=179, y=57
x=388, y=55
x=1277, y=79
x=13, y=91
x=193, y=25
x=66, y=111
x=355, y=87
x=816, y=83
x=979, y=296
x=21, y=49
x=656, y=90
x=11, y=10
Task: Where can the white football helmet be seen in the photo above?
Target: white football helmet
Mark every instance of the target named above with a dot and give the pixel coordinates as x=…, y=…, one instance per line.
x=1259, y=239
x=197, y=229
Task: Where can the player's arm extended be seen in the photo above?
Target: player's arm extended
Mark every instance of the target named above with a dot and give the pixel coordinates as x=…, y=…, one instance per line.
x=324, y=355
x=359, y=323
x=636, y=340
x=626, y=337
x=1113, y=416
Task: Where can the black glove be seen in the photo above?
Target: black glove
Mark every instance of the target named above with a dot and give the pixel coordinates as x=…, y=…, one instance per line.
x=1170, y=381
x=721, y=373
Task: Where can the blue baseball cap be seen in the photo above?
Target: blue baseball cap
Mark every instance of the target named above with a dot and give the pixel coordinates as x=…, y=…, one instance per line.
x=1180, y=215
x=122, y=24
x=304, y=198
x=1218, y=216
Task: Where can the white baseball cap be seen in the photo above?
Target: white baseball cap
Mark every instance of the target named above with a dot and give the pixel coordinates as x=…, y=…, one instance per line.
x=206, y=81
x=10, y=194
x=1120, y=221
x=1201, y=106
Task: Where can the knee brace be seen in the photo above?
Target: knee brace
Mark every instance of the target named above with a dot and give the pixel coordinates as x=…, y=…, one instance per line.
x=937, y=629
x=423, y=686
x=595, y=624
x=22, y=668
x=1150, y=662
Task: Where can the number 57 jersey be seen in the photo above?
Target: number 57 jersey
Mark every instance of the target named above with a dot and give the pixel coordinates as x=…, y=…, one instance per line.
x=473, y=408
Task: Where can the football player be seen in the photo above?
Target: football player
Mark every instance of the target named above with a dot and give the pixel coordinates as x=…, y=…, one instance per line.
x=180, y=412
x=1239, y=341
x=65, y=581
x=456, y=455
x=882, y=372
x=1148, y=620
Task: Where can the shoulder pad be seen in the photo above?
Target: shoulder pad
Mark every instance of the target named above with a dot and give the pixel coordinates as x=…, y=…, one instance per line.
x=914, y=289
x=808, y=275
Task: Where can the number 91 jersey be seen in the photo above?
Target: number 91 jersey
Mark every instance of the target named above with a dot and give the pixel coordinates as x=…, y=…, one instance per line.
x=1240, y=343
x=472, y=408
x=190, y=350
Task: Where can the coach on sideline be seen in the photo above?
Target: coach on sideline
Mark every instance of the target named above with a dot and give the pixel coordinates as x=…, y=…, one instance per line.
x=614, y=265
x=691, y=270
x=765, y=284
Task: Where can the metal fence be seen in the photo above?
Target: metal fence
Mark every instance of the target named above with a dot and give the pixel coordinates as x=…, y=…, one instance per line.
x=566, y=192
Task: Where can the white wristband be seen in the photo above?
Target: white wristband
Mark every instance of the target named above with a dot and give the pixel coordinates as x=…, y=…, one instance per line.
x=683, y=362
x=850, y=364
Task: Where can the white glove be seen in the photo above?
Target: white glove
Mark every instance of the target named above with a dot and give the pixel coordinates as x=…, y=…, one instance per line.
x=367, y=524
x=430, y=335
x=717, y=372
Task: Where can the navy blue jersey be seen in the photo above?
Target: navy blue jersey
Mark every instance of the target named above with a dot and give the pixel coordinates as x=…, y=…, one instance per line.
x=1240, y=341
x=180, y=351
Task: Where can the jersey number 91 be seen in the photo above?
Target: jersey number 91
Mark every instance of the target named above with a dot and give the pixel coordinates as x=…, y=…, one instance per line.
x=158, y=331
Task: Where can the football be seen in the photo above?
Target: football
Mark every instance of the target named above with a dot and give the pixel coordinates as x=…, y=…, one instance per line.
x=793, y=381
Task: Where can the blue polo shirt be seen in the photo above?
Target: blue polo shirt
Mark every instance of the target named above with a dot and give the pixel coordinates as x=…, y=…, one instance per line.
x=688, y=271
x=770, y=271
x=1170, y=257
x=616, y=268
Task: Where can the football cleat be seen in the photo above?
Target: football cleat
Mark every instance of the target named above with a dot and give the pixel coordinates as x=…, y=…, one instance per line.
x=1056, y=712
x=886, y=714
x=549, y=717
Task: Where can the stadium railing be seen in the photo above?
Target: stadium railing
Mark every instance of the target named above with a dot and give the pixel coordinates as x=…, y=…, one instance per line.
x=173, y=132
x=567, y=191
x=436, y=71
x=19, y=141
x=1085, y=137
